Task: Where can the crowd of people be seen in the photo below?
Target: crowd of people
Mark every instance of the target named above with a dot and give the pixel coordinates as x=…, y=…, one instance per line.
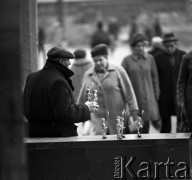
x=155, y=84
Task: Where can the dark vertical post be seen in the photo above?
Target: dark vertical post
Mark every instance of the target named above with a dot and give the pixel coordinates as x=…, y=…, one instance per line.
x=15, y=46
x=29, y=38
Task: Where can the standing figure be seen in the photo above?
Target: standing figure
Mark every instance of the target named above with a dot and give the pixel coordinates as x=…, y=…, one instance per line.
x=104, y=127
x=134, y=27
x=139, y=126
x=100, y=36
x=142, y=71
x=184, y=87
x=79, y=67
x=119, y=128
x=168, y=63
x=48, y=98
x=158, y=31
x=41, y=42
x=122, y=127
x=114, y=90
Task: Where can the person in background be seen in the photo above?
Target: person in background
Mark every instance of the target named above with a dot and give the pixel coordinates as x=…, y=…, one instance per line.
x=184, y=87
x=168, y=63
x=79, y=67
x=141, y=69
x=48, y=98
x=100, y=36
x=158, y=31
x=41, y=41
x=157, y=46
x=113, y=29
x=134, y=27
x=114, y=91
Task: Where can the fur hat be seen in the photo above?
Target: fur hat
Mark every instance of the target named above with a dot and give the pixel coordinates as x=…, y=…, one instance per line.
x=101, y=49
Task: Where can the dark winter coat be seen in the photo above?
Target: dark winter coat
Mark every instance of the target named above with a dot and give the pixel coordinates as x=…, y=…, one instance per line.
x=50, y=110
x=168, y=75
x=100, y=37
x=184, y=85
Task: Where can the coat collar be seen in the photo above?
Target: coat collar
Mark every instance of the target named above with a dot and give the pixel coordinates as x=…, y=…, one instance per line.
x=64, y=70
x=91, y=72
x=136, y=57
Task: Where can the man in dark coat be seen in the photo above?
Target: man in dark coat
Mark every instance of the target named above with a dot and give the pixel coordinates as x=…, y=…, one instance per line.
x=100, y=36
x=184, y=90
x=49, y=101
x=168, y=63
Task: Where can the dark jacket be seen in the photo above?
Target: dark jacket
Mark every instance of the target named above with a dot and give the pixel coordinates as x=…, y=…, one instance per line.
x=155, y=51
x=100, y=37
x=49, y=103
x=168, y=75
x=184, y=85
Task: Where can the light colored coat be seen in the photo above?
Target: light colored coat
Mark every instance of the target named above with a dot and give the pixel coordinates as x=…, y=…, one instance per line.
x=144, y=78
x=115, y=93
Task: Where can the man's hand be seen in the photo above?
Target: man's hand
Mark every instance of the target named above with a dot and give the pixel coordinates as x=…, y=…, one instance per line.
x=93, y=106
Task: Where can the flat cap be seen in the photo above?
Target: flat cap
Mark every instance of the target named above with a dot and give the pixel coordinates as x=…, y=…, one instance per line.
x=79, y=53
x=137, y=38
x=57, y=52
x=101, y=49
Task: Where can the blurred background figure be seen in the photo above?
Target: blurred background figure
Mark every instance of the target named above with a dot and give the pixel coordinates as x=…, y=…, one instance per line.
x=41, y=41
x=156, y=45
x=79, y=67
x=133, y=27
x=113, y=28
x=168, y=63
x=184, y=89
x=141, y=69
x=114, y=90
x=100, y=36
x=158, y=31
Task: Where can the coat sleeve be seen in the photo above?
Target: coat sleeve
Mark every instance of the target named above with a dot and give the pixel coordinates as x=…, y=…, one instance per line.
x=124, y=64
x=182, y=81
x=155, y=78
x=127, y=89
x=65, y=110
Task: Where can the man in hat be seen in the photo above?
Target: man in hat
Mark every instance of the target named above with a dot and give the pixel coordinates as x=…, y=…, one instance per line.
x=49, y=101
x=114, y=89
x=168, y=63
